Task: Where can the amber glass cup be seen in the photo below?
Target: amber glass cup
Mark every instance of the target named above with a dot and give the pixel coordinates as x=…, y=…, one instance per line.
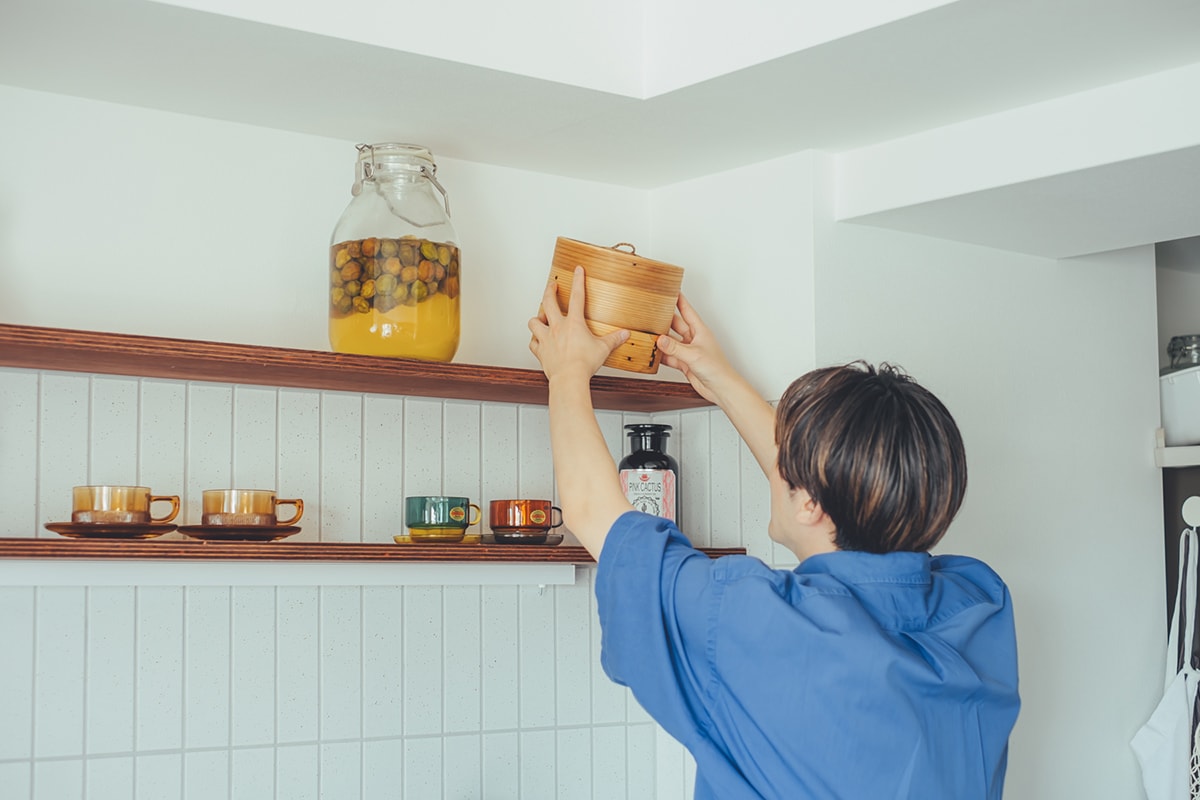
x=537, y=516
x=247, y=508
x=128, y=505
x=523, y=521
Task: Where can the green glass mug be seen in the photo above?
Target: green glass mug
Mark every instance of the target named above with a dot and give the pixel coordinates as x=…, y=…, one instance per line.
x=435, y=518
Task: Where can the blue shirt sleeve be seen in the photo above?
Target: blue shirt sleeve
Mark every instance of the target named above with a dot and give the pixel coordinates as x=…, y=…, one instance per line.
x=656, y=601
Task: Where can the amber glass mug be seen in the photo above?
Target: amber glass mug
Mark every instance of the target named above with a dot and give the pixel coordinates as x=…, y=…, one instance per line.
x=531, y=515
x=523, y=520
x=247, y=508
x=127, y=505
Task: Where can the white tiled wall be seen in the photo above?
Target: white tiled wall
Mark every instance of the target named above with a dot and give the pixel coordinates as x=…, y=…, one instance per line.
x=200, y=692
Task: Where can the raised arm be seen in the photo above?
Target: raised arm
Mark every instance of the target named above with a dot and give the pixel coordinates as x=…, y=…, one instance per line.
x=588, y=485
x=694, y=352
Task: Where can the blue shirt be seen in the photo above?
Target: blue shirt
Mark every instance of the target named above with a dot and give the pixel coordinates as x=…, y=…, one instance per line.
x=855, y=676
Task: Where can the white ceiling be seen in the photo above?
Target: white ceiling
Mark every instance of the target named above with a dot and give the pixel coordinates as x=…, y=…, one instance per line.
x=960, y=61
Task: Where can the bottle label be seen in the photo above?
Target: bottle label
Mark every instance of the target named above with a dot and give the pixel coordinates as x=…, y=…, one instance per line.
x=651, y=491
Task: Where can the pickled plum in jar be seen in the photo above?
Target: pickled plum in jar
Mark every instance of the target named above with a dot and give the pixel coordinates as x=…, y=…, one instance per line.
x=388, y=293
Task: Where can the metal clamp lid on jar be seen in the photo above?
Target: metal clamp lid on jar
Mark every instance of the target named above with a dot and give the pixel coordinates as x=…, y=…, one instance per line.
x=1184, y=352
x=406, y=154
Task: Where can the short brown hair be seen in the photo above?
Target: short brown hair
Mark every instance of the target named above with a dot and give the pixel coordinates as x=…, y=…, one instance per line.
x=879, y=452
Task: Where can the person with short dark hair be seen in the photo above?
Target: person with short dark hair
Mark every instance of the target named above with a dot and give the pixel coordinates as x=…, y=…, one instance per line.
x=877, y=451
x=873, y=669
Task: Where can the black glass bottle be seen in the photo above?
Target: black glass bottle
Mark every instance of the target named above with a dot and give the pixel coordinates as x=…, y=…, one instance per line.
x=650, y=477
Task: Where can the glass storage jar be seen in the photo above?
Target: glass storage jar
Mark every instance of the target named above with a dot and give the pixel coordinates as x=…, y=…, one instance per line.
x=394, y=270
x=649, y=476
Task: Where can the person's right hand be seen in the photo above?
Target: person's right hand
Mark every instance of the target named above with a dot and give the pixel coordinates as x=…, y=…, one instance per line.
x=694, y=352
x=563, y=343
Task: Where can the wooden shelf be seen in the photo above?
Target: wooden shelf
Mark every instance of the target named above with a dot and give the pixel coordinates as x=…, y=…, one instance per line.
x=329, y=562
x=158, y=562
x=174, y=549
x=193, y=360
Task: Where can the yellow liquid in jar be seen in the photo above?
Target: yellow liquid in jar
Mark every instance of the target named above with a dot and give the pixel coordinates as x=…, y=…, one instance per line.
x=427, y=330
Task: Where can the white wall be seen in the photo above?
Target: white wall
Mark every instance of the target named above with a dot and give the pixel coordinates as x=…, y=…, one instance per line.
x=186, y=691
x=1049, y=369
x=745, y=239
x=260, y=691
x=255, y=691
x=121, y=219
x=1013, y=344
x=1048, y=366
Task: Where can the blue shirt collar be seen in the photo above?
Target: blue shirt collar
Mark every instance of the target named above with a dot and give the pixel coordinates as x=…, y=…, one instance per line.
x=858, y=567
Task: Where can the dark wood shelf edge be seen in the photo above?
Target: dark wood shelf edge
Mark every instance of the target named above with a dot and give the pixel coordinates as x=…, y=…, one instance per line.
x=189, y=359
x=189, y=550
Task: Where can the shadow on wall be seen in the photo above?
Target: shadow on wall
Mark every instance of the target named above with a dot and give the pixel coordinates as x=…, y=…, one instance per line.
x=7, y=264
x=1177, y=274
x=1179, y=254
x=9, y=267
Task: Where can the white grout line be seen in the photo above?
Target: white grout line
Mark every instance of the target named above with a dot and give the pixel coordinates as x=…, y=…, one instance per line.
x=183, y=684
x=320, y=686
x=33, y=695
x=229, y=692
x=84, y=668
x=274, y=694
x=136, y=650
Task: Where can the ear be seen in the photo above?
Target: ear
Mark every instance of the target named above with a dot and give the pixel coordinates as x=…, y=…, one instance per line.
x=808, y=512
x=811, y=517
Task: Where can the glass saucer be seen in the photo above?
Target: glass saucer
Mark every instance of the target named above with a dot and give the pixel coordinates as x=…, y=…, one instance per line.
x=406, y=538
x=526, y=537
x=110, y=530
x=238, y=533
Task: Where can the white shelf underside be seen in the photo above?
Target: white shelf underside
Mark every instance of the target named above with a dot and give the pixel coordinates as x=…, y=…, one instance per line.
x=147, y=572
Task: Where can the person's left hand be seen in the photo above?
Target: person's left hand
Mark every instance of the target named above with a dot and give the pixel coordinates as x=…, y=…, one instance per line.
x=563, y=344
